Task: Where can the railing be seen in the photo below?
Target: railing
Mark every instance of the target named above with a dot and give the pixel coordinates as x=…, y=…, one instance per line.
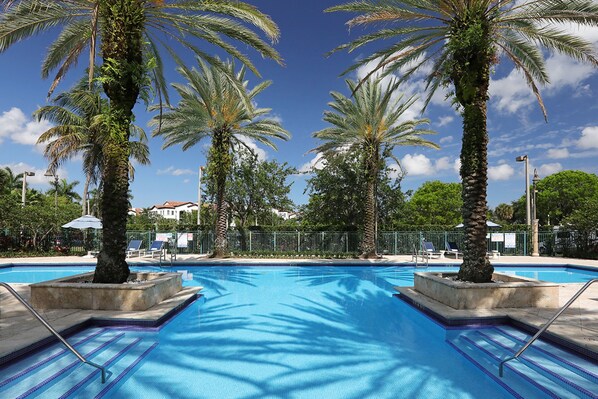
x=53, y=331
x=545, y=326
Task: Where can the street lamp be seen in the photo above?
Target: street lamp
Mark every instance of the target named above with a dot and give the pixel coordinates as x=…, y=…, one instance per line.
x=55, y=176
x=524, y=158
x=201, y=168
x=535, y=180
x=25, y=174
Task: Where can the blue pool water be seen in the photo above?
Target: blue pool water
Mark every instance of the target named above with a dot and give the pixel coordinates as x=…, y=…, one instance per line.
x=302, y=332
x=312, y=332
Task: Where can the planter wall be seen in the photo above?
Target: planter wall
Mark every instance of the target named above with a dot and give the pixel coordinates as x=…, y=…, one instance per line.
x=505, y=292
x=72, y=293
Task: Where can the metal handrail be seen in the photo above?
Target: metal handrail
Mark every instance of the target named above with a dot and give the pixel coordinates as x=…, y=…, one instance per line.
x=545, y=326
x=53, y=331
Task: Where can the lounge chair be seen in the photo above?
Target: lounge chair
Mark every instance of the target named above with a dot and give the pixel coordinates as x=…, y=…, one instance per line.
x=453, y=249
x=428, y=250
x=155, y=247
x=134, y=248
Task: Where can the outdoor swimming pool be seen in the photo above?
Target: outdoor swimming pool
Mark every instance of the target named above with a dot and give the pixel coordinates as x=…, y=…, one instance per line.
x=299, y=332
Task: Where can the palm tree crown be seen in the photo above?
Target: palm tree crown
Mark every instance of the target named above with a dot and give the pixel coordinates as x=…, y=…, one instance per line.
x=216, y=103
x=371, y=123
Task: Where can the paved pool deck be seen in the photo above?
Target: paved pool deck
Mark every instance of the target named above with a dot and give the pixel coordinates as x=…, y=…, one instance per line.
x=21, y=332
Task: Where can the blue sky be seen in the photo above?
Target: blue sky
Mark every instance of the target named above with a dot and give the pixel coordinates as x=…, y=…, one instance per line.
x=298, y=97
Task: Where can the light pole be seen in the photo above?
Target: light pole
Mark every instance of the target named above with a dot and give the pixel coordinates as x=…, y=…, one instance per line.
x=535, y=180
x=25, y=174
x=524, y=158
x=55, y=176
x=199, y=198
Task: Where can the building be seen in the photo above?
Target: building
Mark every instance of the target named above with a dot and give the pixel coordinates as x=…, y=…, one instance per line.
x=173, y=209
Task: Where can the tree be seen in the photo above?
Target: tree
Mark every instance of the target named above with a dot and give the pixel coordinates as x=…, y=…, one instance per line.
x=212, y=105
x=435, y=202
x=65, y=189
x=584, y=221
x=336, y=194
x=370, y=123
x=80, y=118
x=9, y=181
x=129, y=32
x=504, y=213
x=253, y=188
x=461, y=41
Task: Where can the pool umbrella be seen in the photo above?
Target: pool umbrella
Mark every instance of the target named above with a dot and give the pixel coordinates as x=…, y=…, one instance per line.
x=488, y=223
x=84, y=222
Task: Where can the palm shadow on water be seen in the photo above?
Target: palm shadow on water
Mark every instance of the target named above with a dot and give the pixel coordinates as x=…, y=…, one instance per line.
x=317, y=342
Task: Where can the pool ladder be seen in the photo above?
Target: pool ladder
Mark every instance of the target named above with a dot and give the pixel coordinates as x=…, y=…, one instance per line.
x=545, y=326
x=53, y=331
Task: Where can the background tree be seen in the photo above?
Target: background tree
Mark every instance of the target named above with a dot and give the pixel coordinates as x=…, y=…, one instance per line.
x=503, y=213
x=129, y=33
x=584, y=222
x=370, y=123
x=65, y=189
x=435, y=202
x=253, y=189
x=213, y=106
x=9, y=181
x=456, y=43
x=336, y=194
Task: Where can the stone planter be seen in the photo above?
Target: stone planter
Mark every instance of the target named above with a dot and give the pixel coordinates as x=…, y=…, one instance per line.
x=72, y=293
x=505, y=292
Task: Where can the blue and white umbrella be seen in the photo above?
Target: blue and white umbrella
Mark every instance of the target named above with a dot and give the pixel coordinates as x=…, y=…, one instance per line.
x=84, y=222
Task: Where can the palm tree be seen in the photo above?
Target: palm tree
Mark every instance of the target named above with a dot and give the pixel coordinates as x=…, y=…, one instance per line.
x=10, y=181
x=79, y=117
x=129, y=33
x=63, y=188
x=371, y=124
x=462, y=40
x=213, y=106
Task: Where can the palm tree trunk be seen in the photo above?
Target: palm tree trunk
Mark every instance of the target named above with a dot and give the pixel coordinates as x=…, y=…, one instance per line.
x=221, y=159
x=368, y=243
x=122, y=74
x=85, y=211
x=474, y=165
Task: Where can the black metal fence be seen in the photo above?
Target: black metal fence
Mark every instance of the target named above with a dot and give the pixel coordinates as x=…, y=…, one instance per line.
x=389, y=242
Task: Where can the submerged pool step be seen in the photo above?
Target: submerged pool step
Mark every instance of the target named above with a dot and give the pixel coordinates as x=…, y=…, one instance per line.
x=53, y=374
x=535, y=374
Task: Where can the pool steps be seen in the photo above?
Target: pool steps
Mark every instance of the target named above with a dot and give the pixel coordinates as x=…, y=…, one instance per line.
x=544, y=371
x=56, y=373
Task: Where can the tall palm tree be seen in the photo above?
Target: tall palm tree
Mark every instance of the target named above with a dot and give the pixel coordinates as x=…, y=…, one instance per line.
x=79, y=117
x=371, y=123
x=63, y=188
x=212, y=106
x=462, y=40
x=10, y=181
x=129, y=33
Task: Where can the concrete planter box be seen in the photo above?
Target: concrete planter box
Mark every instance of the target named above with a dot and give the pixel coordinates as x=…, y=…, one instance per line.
x=73, y=293
x=505, y=292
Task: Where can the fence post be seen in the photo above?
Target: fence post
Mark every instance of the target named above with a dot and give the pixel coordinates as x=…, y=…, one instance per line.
x=250, y=240
x=274, y=242
x=346, y=242
x=525, y=243
x=298, y=241
x=395, y=234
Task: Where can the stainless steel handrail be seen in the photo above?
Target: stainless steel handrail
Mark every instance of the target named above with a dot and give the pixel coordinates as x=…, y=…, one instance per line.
x=53, y=331
x=545, y=326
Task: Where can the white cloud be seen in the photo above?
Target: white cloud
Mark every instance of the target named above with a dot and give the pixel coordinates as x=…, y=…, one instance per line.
x=500, y=172
x=549, y=169
x=447, y=139
x=316, y=163
x=14, y=124
x=38, y=179
x=421, y=165
x=457, y=166
x=261, y=154
x=445, y=120
x=558, y=153
x=589, y=138
x=172, y=171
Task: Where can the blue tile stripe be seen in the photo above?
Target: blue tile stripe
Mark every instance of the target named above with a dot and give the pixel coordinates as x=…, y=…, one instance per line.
x=588, y=373
x=108, y=387
x=507, y=366
x=97, y=372
x=48, y=359
x=59, y=373
x=539, y=366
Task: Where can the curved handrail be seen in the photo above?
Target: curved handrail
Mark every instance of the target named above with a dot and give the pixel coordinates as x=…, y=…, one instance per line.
x=53, y=331
x=545, y=326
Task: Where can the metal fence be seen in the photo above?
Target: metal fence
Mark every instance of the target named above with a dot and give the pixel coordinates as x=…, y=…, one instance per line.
x=389, y=242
